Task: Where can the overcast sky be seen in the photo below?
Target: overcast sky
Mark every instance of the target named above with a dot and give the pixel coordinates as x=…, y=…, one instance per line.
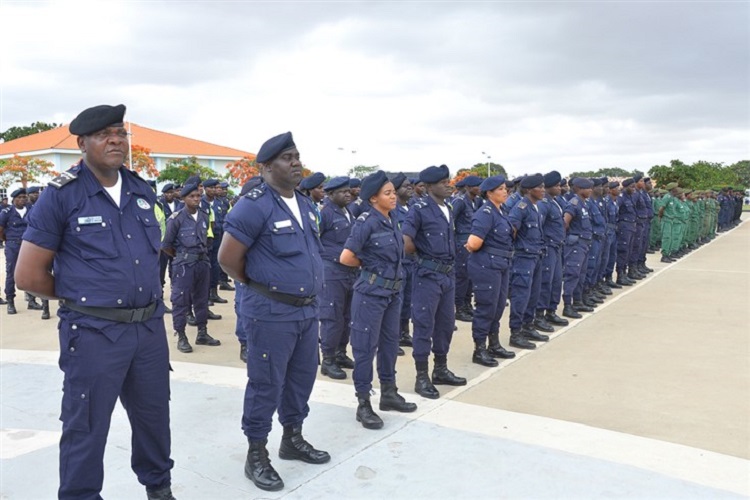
x=535, y=85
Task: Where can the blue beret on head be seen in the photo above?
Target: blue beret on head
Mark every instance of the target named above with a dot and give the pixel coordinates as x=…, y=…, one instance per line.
x=432, y=175
x=193, y=180
x=189, y=188
x=552, y=178
x=274, y=146
x=372, y=184
x=32, y=189
x=414, y=180
x=97, y=118
x=336, y=183
x=637, y=177
x=354, y=182
x=312, y=181
x=167, y=187
x=613, y=185
x=17, y=192
x=582, y=183
x=605, y=180
x=597, y=181
x=461, y=183
x=472, y=181
x=210, y=183
x=251, y=183
x=564, y=182
x=398, y=180
x=532, y=181
x=628, y=182
x=647, y=179
x=224, y=185
x=491, y=183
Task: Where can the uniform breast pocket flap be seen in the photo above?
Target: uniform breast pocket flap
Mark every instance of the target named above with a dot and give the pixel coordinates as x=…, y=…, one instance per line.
x=95, y=241
x=284, y=241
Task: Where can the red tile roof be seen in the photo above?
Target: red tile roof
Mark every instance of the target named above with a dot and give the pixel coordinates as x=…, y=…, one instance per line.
x=158, y=142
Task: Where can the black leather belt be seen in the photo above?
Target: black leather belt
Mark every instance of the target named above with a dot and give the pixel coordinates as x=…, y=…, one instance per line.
x=499, y=252
x=435, y=266
x=598, y=237
x=292, y=300
x=583, y=237
x=374, y=279
x=191, y=257
x=115, y=314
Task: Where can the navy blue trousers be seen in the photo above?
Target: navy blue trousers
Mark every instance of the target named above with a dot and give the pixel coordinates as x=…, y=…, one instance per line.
x=189, y=289
x=408, y=266
x=98, y=371
x=335, y=315
x=635, y=243
x=490, y=288
x=611, y=253
x=375, y=332
x=625, y=236
x=644, y=242
x=213, y=255
x=594, y=259
x=463, y=280
x=574, y=272
x=239, y=325
x=433, y=313
x=12, y=247
x=551, y=288
x=525, y=285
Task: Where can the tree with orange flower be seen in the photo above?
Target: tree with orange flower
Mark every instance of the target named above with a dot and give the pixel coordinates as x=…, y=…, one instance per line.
x=142, y=162
x=243, y=169
x=24, y=170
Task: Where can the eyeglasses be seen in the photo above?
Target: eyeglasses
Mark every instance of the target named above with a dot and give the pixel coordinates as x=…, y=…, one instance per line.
x=105, y=134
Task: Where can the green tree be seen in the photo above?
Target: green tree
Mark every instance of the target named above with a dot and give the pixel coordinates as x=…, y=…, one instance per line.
x=485, y=170
x=699, y=175
x=742, y=170
x=180, y=169
x=362, y=171
x=34, y=128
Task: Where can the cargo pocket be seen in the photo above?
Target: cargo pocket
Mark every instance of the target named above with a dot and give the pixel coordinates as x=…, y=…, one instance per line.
x=520, y=280
x=259, y=366
x=75, y=414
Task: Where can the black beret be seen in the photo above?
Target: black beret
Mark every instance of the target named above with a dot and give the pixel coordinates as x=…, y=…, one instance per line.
x=461, y=183
x=552, y=178
x=354, y=182
x=637, y=178
x=167, y=187
x=414, y=180
x=613, y=184
x=336, y=183
x=398, y=180
x=432, y=175
x=597, y=181
x=491, y=183
x=604, y=180
x=647, y=179
x=151, y=182
x=628, y=182
x=564, y=182
x=97, y=118
x=210, y=183
x=17, y=192
x=312, y=181
x=189, y=188
x=224, y=184
x=582, y=183
x=372, y=184
x=274, y=146
x=32, y=189
x=251, y=183
x=472, y=181
x=518, y=180
x=532, y=181
x=193, y=180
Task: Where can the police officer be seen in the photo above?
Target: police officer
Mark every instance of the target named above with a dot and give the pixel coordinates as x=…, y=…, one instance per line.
x=463, y=212
x=577, y=245
x=187, y=243
x=610, y=246
x=491, y=247
x=553, y=229
x=13, y=221
x=429, y=233
x=376, y=245
x=644, y=211
x=626, y=230
x=95, y=227
x=336, y=298
x=595, y=207
x=357, y=205
x=216, y=212
x=272, y=246
x=526, y=277
x=170, y=206
x=404, y=192
x=418, y=188
x=31, y=196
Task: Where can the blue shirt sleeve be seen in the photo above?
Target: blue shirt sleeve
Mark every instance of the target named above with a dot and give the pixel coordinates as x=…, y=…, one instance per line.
x=481, y=224
x=412, y=223
x=46, y=224
x=173, y=227
x=360, y=232
x=245, y=221
x=516, y=216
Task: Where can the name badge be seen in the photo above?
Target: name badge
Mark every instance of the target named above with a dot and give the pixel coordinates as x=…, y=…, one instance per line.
x=282, y=224
x=82, y=221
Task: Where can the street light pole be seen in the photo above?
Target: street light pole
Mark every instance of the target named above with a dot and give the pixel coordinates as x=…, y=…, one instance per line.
x=488, y=163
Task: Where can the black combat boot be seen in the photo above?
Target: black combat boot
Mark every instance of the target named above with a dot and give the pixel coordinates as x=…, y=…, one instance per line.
x=441, y=375
x=554, y=319
x=191, y=319
x=2, y=300
x=587, y=302
x=45, y=309
x=612, y=284
x=224, y=285
x=481, y=356
x=160, y=494
x=33, y=304
x=330, y=369
x=213, y=296
x=622, y=280
x=645, y=269
x=462, y=314
x=518, y=339
x=213, y=316
x=423, y=386
x=390, y=399
x=496, y=350
x=570, y=312
x=405, y=339
x=590, y=298
x=581, y=307
x=343, y=360
x=295, y=447
x=633, y=274
x=258, y=468
x=12, y=306
x=541, y=324
x=203, y=338
x=603, y=288
x=531, y=333
x=183, y=345
x=366, y=415
x=243, y=352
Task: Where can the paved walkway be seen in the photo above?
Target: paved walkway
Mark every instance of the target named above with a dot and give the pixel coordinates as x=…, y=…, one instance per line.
x=647, y=398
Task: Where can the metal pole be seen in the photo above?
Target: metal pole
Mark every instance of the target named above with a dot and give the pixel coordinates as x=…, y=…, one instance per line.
x=130, y=147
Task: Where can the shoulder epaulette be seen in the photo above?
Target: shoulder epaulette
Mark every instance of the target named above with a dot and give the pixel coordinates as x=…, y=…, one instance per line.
x=521, y=204
x=363, y=216
x=358, y=201
x=256, y=192
x=420, y=204
x=6, y=209
x=65, y=177
x=487, y=210
x=574, y=200
x=450, y=205
x=175, y=214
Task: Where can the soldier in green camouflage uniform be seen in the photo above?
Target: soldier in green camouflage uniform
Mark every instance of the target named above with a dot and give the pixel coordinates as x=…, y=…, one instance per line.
x=654, y=239
x=669, y=217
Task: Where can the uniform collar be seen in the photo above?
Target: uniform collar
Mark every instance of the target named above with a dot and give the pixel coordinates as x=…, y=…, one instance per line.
x=92, y=185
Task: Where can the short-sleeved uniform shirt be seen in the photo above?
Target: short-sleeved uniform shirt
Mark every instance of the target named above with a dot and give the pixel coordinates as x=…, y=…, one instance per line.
x=335, y=227
x=495, y=229
x=432, y=233
x=527, y=221
x=580, y=224
x=187, y=235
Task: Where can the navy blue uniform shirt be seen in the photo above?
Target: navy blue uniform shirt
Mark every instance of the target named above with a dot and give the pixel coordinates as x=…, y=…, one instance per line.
x=335, y=228
x=580, y=224
x=12, y=222
x=495, y=229
x=463, y=212
x=553, y=225
x=186, y=234
x=527, y=221
x=431, y=232
x=626, y=208
x=598, y=222
x=642, y=209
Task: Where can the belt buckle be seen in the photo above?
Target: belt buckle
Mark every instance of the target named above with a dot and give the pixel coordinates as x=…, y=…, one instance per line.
x=136, y=315
x=373, y=277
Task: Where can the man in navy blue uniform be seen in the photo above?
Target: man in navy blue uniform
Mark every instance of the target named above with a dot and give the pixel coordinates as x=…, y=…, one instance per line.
x=526, y=277
x=170, y=205
x=553, y=229
x=463, y=211
x=626, y=230
x=336, y=298
x=272, y=245
x=94, y=227
x=212, y=206
x=429, y=233
x=595, y=206
x=357, y=205
x=577, y=246
x=645, y=211
x=404, y=192
x=187, y=242
x=610, y=249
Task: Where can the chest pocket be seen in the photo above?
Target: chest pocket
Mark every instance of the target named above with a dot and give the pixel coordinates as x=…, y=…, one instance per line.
x=284, y=241
x=382, y=239
x=95, y=241
x=532, y=227
x=152, y=230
